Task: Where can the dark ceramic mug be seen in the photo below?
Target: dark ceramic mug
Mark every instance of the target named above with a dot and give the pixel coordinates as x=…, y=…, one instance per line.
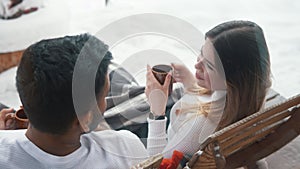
x=160, y=72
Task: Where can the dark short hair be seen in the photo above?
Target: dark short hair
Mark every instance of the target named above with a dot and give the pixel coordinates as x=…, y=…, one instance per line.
x=44, y=79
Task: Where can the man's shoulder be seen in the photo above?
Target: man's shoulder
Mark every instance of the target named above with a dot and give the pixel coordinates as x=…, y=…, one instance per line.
x=121, y=142
x=10, y=141
x=8, y=136
x=106, y=135
x=121, y=133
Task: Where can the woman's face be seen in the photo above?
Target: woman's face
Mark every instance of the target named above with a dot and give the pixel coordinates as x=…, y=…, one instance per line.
x=206, y=69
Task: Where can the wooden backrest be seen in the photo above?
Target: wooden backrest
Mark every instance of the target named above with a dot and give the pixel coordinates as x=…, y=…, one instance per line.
x=250, y=139
x=11, y=59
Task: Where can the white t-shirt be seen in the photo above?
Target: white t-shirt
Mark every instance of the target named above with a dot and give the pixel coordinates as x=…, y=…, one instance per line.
x=187, y=129
x=102, y=149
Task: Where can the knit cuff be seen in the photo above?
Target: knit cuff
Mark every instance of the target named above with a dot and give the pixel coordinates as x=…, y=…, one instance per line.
x=157, y=128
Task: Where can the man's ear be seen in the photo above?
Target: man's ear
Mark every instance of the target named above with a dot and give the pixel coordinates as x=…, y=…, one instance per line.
x=84, y=122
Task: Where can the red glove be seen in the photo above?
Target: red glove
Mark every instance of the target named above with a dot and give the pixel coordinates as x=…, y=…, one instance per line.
x=173, y=162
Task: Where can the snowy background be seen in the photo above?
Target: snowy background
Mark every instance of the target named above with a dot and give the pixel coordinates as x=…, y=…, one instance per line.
x=279, y=20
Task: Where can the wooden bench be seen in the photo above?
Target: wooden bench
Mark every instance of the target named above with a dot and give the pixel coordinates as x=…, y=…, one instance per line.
x=245, y=142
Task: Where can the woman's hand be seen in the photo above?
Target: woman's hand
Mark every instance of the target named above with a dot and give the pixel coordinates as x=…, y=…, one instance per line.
x=184, y=75
x=156, y=93
x=4, y=125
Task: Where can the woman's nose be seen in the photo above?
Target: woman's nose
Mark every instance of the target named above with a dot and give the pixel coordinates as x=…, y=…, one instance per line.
x=199, y=64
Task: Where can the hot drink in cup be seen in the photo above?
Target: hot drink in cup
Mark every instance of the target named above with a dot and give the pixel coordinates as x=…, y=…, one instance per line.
x=19, y=119
x=160, y=72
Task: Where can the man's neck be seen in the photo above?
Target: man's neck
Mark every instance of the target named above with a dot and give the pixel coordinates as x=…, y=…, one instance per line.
x=59, y=145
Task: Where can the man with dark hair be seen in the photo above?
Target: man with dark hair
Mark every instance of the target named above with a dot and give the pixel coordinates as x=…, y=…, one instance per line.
x=59, y=135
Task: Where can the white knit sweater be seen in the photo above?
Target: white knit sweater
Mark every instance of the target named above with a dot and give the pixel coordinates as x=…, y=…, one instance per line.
x=186, y=130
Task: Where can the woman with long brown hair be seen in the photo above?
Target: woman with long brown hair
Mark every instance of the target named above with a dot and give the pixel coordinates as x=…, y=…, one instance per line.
x=231, y=80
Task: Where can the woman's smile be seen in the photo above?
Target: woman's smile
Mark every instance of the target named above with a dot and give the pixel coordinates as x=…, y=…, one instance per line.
x=198, y=76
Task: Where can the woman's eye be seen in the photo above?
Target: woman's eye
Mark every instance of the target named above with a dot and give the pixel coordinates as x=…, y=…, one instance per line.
x=209, y=66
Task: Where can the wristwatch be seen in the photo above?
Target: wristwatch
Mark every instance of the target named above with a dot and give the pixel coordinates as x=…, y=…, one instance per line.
x=152, y=116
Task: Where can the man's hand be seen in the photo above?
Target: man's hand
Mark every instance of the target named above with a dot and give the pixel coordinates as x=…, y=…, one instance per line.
x=4, y=125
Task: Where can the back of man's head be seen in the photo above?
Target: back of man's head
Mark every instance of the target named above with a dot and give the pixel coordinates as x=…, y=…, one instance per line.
x=44, y=79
